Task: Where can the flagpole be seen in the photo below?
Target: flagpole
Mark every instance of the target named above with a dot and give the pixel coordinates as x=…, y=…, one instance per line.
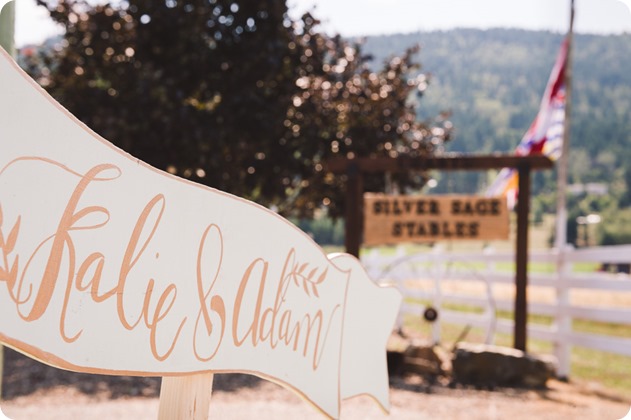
x=563, y=321
x=561, y=219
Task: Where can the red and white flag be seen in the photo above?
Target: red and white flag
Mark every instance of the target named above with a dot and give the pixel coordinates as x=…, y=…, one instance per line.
x=545, y=135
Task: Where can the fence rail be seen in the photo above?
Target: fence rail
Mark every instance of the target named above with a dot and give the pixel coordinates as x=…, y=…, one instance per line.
x=412, y=273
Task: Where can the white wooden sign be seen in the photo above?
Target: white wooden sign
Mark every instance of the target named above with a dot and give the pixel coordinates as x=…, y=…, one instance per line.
x=108, y=265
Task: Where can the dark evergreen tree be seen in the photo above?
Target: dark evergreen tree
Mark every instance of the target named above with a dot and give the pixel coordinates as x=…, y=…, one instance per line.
x=235, y=95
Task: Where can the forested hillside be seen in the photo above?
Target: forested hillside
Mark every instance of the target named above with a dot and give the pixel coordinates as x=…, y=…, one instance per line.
x=492, y=81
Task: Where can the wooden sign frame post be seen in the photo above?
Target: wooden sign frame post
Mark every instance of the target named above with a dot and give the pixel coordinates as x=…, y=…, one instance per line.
x=356, y=168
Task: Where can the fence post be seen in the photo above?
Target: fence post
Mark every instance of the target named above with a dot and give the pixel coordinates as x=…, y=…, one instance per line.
x=563, y=321
x=399, y=281
x=438, y=264
x=491, y=310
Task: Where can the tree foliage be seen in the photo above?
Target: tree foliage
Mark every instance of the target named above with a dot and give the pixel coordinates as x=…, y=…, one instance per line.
x=235, y=95
x=493, y=81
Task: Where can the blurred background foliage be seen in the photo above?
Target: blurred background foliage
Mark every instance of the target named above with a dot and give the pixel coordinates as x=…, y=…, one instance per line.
x=242, y=98
x=492, y=81
x=236, y=95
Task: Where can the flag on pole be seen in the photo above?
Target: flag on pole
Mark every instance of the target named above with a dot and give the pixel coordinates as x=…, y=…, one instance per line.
x=545, y=135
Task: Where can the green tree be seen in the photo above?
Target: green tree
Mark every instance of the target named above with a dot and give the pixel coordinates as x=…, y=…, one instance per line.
x=235, y=95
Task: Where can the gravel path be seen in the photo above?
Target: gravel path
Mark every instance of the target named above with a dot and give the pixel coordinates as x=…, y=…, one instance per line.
x=35, y=391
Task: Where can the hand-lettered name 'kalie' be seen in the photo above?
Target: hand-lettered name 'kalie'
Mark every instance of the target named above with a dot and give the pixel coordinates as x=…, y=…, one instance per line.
x=213, y=320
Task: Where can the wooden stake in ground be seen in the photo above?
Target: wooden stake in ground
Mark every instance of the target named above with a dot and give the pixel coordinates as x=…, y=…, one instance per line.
x=185, y=397
x=1, y=369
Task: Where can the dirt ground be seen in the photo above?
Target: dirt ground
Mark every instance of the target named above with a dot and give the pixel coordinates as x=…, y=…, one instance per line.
x=35, y=391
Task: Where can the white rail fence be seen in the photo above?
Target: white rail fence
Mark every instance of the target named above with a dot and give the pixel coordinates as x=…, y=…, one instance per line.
x=439, y=278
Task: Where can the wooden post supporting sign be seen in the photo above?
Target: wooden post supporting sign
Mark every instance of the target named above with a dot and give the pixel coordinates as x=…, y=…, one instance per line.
x=185, y=397
x=521, y=259
x=354, y=212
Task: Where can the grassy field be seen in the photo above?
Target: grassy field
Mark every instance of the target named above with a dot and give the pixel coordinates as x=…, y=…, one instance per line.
x=610, y=370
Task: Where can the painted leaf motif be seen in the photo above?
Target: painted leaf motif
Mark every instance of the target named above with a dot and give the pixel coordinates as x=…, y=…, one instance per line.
x=302, y=268
x=322, y=276
x=304, y=286
x=295, y=278
x=319, y=280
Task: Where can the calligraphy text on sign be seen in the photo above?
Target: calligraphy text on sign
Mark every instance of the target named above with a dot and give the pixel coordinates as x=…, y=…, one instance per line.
x=30, y=286
x=110, y=266
x=396, y=219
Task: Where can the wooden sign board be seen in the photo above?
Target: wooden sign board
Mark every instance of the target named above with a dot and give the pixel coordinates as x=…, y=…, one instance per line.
x=397, y=219
x=111, y=266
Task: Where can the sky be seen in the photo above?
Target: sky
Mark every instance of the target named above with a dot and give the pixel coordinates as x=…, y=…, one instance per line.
x=376, y=17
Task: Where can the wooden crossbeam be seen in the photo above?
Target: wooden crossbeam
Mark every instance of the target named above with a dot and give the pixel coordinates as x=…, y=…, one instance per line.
x=357, y=167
